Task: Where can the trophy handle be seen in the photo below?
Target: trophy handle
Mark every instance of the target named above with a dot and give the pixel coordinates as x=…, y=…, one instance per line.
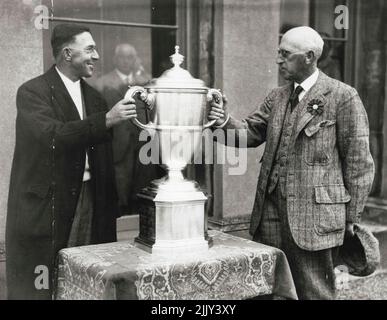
x=145, y=97
x=217, y=96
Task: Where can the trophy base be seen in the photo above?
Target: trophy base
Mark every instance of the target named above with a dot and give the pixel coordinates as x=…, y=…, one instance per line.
x=171, y=221
x=173, y=247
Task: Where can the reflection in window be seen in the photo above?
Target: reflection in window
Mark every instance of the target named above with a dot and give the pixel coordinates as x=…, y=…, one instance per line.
x=129, y=55
x=153, y=45
x=329, y=61
x=114, y=10
x=323, y=20
x=163, y=40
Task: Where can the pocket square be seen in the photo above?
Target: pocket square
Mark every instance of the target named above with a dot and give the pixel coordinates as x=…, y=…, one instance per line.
x=311, y=130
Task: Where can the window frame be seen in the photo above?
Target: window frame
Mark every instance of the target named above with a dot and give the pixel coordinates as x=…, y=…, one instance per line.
x=182, y=27
x=349, y=39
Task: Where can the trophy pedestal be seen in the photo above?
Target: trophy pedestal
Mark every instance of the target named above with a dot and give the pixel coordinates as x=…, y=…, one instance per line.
x=172, y=219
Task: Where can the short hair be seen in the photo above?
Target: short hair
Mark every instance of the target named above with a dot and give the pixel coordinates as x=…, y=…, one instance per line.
x=64, y=34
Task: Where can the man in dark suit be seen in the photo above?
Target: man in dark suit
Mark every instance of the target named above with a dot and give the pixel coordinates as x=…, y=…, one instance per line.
x=131, y=175
x=317, y=169
x=62, y=190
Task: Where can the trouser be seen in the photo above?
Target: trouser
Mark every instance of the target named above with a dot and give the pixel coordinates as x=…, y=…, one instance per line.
x=312, y=271
x=80, y=233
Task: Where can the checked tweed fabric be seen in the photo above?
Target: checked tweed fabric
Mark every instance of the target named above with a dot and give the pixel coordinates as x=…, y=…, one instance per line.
x=329, y=169
x=312, y=271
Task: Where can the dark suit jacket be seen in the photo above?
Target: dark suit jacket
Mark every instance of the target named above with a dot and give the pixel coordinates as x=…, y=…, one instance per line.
x=329, y=165
x=46, y=177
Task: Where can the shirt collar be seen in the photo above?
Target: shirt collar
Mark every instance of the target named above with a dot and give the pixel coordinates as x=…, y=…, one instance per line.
x=122, y=76
x=67, y=81
x=308, y=82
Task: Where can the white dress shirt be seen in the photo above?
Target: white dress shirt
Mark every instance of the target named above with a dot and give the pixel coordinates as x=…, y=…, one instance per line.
x=74, y=89
x=307, y=84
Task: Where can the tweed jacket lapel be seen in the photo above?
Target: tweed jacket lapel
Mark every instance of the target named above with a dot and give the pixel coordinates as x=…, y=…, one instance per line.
x=318, y=91
x=278, y=118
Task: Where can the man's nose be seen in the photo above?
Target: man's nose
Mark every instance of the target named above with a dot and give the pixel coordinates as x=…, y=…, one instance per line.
x=95, y=55
x=279, y=60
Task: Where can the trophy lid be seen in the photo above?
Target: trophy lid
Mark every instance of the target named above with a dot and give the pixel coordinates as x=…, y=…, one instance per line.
x=177, y=77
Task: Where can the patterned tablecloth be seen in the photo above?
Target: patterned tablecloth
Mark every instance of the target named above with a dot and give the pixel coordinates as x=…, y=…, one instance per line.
x=233, y=268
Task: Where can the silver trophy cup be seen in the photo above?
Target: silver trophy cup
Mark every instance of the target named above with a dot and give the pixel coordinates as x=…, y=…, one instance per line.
x=172, y=218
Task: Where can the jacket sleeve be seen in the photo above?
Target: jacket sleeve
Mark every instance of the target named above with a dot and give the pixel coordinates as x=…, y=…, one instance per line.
x=251, y=131
x=353, y=143
x=36, y=115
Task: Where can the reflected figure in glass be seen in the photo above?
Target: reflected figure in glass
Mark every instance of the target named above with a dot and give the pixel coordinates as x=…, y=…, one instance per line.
x=130, y=174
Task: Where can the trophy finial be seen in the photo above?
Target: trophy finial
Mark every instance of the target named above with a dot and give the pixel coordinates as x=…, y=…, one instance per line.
x=177, y=59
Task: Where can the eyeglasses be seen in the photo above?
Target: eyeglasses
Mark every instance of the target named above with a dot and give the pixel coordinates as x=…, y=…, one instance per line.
x=88, y=50
x=285, y=54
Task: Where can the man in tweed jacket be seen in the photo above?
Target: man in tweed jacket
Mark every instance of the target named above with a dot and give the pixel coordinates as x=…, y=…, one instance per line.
x=317, y=169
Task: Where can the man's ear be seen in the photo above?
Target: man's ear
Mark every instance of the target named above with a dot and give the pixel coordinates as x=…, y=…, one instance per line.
x=310, y=57
x=67, y=55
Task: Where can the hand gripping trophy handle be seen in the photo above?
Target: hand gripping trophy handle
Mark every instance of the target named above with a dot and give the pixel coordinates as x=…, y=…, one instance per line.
x=149, y=100
x=145, y=97
x=216, y=95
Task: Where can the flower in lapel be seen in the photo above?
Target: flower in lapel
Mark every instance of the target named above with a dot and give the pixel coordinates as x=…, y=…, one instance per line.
x=315, y=107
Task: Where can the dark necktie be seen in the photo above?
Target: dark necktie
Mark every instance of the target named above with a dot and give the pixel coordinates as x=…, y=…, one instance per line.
x=293, y=100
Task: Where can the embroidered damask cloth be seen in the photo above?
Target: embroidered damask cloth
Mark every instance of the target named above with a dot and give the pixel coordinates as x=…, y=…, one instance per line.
x=233, y=268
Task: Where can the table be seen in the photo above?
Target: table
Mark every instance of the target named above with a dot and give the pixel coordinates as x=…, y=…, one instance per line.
x=233, y=268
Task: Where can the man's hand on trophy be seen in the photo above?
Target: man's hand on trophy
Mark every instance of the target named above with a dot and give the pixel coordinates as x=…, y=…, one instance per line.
x=218, y=110
x=123, y=110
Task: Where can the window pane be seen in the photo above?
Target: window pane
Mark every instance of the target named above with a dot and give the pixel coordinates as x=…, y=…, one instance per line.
x=163, y=40
x=324, y=17
x=107, y=38
x=294, y=13
x=136, y=11
x=128, y=56
x=331, y=61
x=82, y=9
x=154, y=45
x=323, y=20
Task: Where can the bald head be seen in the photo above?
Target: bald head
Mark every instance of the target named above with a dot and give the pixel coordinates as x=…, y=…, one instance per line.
x=304, y=39
x=125, y=49
x=125, y=58
x=298, y=53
